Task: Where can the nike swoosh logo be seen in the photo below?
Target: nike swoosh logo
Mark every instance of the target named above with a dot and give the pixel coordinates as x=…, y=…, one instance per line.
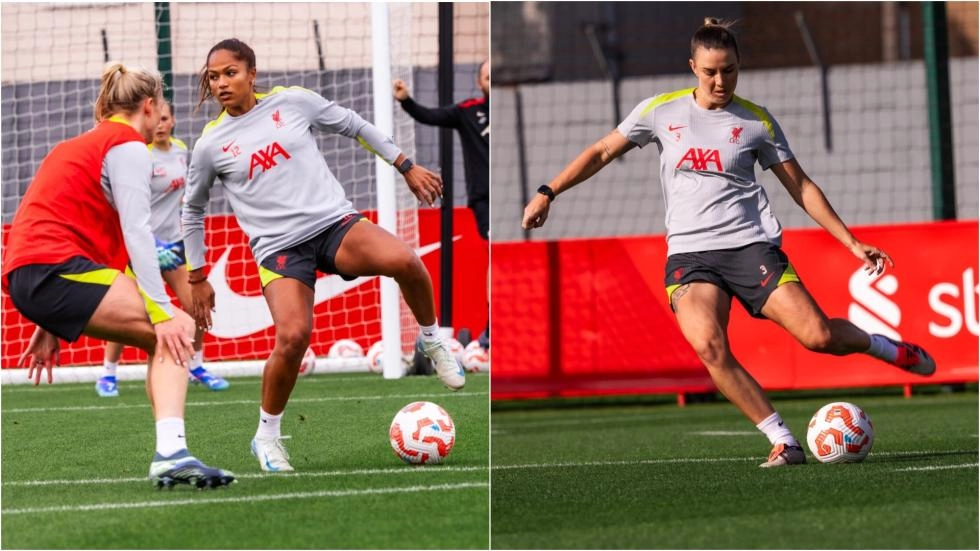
x=768, y=277
x=237, y=315
x=672, y=128
x=227, y=147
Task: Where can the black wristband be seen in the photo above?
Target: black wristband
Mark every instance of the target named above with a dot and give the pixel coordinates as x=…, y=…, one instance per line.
x=406, y=165
x=547, y=192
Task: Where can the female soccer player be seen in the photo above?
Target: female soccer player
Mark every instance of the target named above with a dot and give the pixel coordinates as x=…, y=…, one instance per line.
x=722, y=237
x=87, y=209
x=297, y=218
x=166, y=191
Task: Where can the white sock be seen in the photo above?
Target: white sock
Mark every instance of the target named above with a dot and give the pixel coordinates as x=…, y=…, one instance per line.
x=882, y=348
x=170, y=436
x=776, y=431
x=269, y=425
x=197, y=360
x=430, y=333
x=110, y=368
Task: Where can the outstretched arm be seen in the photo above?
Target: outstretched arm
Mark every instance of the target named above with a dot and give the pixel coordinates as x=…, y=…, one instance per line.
x=811, y=199
x=590, y=161
x=438, y=116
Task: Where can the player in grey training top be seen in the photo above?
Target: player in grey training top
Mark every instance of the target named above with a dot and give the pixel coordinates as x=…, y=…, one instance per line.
x=707, y=169
x=297, y=218
x=723, y=239
x=166, y=190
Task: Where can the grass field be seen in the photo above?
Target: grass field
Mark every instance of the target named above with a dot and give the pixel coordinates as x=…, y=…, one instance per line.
x=74, y=470
x=655, y=476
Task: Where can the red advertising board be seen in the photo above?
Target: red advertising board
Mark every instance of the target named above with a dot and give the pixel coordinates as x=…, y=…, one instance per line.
x=243, y=327
x=591, y=316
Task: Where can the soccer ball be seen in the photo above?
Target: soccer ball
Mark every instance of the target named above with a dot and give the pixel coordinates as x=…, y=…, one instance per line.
x=374, y=357
x=345, y=348
x=422, y=433
x=308, y=364
x=476, y=358
x=840, y=433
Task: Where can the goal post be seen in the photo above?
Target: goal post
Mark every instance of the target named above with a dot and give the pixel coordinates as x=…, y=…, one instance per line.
x=385, y=176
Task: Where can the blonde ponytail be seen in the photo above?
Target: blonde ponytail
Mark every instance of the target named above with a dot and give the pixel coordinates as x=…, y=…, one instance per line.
x=123, y=89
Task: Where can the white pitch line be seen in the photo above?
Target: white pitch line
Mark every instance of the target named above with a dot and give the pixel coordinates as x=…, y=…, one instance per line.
x=693, y=460
x=407, y=469
x=252, y=402
x=241, y=499
x=940, y=467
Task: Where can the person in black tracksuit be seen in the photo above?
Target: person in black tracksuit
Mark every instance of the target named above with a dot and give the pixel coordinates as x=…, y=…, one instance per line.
x=471, y=118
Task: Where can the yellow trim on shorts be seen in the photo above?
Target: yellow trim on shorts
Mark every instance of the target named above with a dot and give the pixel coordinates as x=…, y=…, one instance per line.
x=102, y=276
x=267, y=276
x=788, y=275
x=671, y=289
x=153, y=309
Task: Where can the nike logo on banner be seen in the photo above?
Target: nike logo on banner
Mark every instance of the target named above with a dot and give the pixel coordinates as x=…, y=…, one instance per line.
x=237, y=315
x=671, y=127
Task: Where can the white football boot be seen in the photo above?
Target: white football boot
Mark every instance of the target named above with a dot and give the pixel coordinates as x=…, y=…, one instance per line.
x=272, y=455
x=445, y=363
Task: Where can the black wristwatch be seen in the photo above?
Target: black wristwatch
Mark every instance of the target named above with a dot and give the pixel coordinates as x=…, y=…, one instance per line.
x=406, y=165
x=547, y=192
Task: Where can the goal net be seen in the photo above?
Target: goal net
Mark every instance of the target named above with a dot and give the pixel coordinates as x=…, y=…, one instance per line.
x=53, y=55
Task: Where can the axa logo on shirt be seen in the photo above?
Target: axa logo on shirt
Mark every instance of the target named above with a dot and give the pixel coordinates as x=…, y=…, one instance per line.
x=699, y=159
x=265, y=158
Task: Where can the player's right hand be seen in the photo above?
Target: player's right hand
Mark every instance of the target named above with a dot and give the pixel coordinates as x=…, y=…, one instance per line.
x=400, y=89
x=43, y=352
x=536, y=212
x=176, y=336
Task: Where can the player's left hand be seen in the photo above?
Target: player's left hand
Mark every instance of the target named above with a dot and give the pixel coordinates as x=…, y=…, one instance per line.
x=425, y=184
x=874, y=258
x=43, y=352
x=536, y=212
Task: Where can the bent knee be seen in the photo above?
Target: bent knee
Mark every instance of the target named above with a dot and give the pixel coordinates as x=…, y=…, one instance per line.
x=711, y=351
x=406, y=264
x=818, y=339
x=293, y=340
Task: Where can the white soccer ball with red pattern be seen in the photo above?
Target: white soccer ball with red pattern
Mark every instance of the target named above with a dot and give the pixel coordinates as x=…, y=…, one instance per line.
x=476, y=358
x=422, y=433
x=840, y=432
x=308, y=364
x=374, y=354
x=345, y=348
